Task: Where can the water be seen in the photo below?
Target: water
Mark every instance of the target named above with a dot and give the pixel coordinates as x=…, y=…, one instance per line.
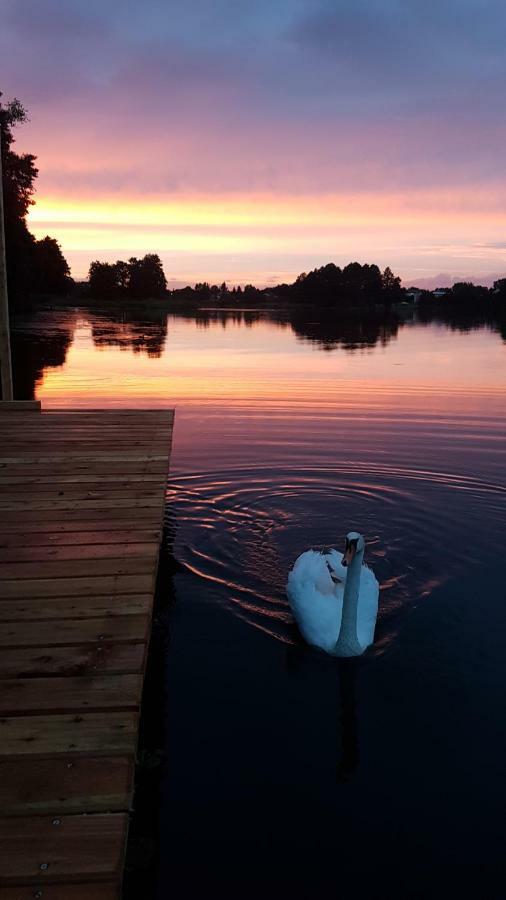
x=290, y=774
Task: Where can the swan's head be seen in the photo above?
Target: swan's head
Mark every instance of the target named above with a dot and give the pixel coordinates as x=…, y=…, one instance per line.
x=354, y=544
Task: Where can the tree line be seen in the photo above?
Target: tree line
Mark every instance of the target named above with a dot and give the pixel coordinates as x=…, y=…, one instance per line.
x=463, y=295
x=38, y=267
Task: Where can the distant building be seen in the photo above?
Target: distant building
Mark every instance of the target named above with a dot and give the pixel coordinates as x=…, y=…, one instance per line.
x=413, y=295
x=440, y=292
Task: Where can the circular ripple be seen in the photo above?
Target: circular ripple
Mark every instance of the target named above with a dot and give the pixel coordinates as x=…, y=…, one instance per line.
x=240, y=531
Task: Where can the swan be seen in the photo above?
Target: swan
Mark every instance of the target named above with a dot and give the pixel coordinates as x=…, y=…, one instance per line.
x=335, y=601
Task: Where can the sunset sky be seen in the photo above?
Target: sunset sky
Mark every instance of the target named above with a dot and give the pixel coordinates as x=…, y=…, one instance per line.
x=250, y=141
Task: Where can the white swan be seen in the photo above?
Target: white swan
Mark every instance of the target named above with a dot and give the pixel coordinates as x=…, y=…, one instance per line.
x=335, y=601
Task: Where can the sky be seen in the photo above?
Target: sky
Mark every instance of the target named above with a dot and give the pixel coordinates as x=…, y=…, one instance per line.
x=250, y=141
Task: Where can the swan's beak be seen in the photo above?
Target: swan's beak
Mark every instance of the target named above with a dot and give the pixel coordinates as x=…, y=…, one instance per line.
x=349, y=553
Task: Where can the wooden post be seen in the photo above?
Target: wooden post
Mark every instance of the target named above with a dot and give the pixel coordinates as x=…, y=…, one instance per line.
x=5, y=342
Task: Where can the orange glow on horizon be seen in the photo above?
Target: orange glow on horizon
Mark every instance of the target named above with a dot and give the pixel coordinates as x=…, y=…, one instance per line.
x=239, y=237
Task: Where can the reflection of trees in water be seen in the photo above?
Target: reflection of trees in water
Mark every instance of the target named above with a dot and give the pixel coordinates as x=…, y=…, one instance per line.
x=39, y=341
x=205, y=317
x=348, y=330
x=463, y=320
x=142, y=331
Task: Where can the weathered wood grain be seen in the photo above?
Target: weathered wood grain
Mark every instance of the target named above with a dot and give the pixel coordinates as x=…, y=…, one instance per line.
x=46, y=537
x=81, y=514
x=65, y=784
x=106, y=734
x=20, y=696
x=54, y=633
x=77, y=587
x=63, y=891
x=90, y=659
x=49, y=848
x=102, y=550
x=32, y=609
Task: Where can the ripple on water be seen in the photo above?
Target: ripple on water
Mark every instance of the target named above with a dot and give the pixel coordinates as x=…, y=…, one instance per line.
x=241, y=530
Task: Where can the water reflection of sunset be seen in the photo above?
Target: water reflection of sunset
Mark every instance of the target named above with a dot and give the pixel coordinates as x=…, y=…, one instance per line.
x=226, y=362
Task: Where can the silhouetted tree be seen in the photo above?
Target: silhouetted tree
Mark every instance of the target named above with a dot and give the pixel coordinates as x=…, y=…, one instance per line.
x=104, y=280
x=203, y=290
x=122, y=275
x=356, y=284
x=140, y=279
x=146, y=277
x=362, y=283
x=465, y=293
x=19, y=174
x=391, y=286
x=52, y=273
x=499, y=289
x=25, y=260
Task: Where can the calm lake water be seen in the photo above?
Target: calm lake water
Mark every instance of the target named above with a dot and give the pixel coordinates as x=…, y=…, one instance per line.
x=290, y=774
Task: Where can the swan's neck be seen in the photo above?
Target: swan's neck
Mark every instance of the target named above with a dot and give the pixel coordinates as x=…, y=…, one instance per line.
x=347, y=642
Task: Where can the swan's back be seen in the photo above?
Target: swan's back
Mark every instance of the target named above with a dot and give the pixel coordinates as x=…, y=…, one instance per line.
x=316, y=602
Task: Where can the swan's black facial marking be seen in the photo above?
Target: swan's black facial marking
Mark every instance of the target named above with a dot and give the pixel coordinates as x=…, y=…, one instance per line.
x=350, y=549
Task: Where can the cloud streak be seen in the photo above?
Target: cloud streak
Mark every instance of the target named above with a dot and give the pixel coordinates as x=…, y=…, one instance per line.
x=379, y=102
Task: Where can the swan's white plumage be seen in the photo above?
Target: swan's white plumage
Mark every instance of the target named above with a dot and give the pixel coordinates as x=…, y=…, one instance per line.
x=317, y=601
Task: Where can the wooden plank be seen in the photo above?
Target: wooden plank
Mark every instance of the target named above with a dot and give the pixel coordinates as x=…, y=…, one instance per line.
x=58, y=418
x=83, y=451
x=78, y=568
x=97, y=430
x=105, y=733
x=101, y=456
x=95, y=659
x=63, y=891
x=63, y=424
x=46, y=848
x=78, y=489
x=90, y=467
x=125, y=480
x=77, y=587
x=36, y=609
x=150, y=517
x=12, y=525
x=61, y=503
x=147, y=551
x=21, y=696
x=19, y=493
x=48, y=538
x=65, y=784
x=78, y=439
x=56, y=633
x=19, y=405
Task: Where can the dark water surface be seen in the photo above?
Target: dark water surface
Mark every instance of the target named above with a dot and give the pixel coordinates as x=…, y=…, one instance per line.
x=290, y=774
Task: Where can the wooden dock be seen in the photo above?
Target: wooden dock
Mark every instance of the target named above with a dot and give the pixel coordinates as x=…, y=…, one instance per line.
x=81, y=510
